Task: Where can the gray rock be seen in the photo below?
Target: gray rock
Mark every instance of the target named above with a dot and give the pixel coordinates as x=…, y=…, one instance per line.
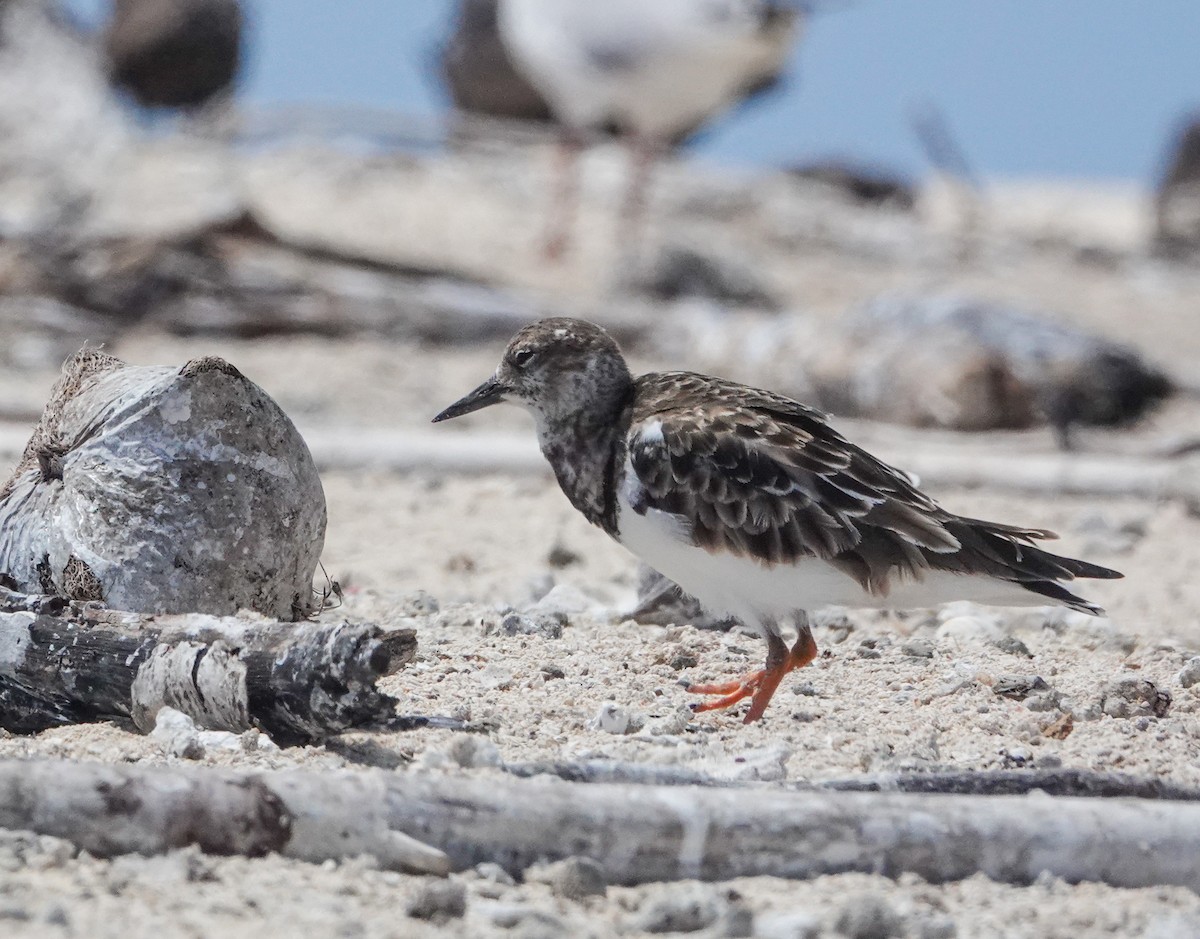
x=918, y=648
x=1190, y=673
x=138, y=490
x=548, y=625
x=868, y=916
x=1012, y=645
x=438, y=901
x=684, y=907
x=1050, y=700
x=1018, y=687
x=572, y=878
x=1134, y=697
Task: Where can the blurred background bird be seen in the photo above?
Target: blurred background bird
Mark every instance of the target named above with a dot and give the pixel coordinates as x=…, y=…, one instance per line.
x=174, y=53
x=653, y=72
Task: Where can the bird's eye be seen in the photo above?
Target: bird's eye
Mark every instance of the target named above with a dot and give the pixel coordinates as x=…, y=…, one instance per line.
x=521, y=357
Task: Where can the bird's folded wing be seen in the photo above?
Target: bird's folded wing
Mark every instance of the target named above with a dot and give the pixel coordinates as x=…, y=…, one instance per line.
x=767, y=478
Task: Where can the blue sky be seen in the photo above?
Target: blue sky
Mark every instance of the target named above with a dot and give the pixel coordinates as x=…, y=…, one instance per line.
x=1030, y=87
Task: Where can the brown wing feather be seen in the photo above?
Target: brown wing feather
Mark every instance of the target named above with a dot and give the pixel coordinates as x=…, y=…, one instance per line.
x=759, y=475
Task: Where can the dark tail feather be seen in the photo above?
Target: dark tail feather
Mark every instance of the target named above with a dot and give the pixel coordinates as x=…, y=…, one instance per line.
x=1006, y=552
x=1059, y=593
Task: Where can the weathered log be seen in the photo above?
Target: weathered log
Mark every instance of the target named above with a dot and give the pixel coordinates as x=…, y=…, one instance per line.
x=1055, y=782
x=637, y=834
x=297, y=682
x=952, y=361
x=111, y=810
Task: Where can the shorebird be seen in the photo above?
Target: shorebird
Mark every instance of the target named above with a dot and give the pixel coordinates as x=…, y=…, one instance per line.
x=652, y=69
x=751, y=502
x=175, y=53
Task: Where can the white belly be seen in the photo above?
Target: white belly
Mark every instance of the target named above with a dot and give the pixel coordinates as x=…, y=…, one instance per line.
x=753, y=592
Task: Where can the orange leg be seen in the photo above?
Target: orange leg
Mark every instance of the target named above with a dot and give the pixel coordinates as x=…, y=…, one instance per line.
x=760, y=685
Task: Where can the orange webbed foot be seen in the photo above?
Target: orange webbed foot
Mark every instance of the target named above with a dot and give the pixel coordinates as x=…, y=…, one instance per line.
x=760, y=685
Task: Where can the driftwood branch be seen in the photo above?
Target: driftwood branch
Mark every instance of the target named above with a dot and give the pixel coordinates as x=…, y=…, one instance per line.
x=1055, y=782
x=653, y=833
x=298, y=682
x=111, y=810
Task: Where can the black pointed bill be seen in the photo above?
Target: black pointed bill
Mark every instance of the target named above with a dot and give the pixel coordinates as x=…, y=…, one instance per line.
x=489, y=393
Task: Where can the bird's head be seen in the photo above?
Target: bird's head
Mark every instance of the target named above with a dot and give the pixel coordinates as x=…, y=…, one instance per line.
x=562, y=370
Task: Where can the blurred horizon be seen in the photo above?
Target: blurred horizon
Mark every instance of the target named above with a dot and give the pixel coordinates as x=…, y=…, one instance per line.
x=1092, y=89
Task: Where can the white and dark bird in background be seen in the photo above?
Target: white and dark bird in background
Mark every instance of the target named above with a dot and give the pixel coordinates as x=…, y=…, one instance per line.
x=653, y=70
x=751, y=502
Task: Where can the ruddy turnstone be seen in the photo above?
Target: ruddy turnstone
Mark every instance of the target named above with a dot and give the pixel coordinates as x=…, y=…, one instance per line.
x=751, y=502
x=653, y=69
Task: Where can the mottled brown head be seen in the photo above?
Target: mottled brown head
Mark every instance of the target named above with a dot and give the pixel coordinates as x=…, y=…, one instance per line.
x=563, y=370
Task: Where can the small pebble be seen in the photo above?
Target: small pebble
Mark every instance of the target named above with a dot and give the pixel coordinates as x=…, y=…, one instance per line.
x=1134, y=697
x=546, y=625
x=1190, y=673
x=679, y=908
x=868, y=916
x=438, y=901
x=1013, y=646
x=176, y=733
x=1018, y=687
x=614, y=719
x=918, y=649
x=572, y=878
x=561, y=556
